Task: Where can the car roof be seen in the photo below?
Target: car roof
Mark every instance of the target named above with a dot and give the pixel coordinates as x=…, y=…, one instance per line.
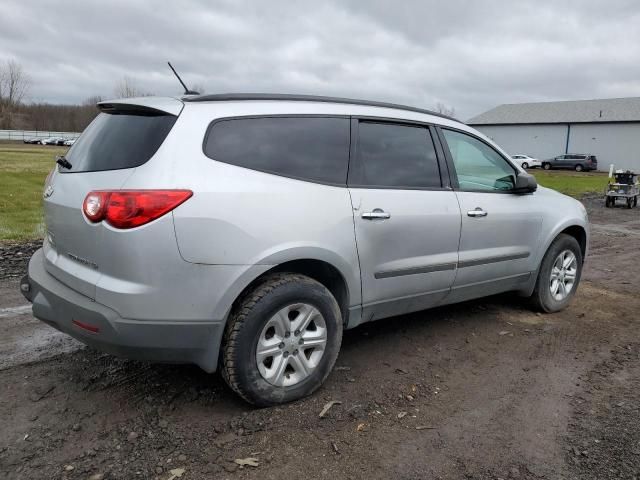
x=224, y=97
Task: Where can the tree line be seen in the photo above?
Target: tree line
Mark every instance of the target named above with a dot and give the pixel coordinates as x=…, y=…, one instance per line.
x=15, y=114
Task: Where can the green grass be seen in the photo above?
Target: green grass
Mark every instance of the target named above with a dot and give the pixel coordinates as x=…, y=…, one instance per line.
x=572, y=183
x=23, y=169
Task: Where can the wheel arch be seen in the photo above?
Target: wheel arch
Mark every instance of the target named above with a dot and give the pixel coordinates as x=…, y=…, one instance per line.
x=580, y=234
x=319, y=270
x=339, y=275
x=573, y=228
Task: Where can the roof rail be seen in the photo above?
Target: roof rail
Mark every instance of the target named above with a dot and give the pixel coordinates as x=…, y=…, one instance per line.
x=222, y=97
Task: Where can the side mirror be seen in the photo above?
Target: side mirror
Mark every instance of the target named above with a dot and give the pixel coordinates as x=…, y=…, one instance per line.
x=525, y=183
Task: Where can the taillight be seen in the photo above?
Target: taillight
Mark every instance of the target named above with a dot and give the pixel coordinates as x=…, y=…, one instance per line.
x=94, y=205
x=131, y=208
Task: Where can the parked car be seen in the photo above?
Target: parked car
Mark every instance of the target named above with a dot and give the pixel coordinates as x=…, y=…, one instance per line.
x=31, y=140
x=525, y=161
x=69, y=142
x=572, y=161
x=49, y=141
x=246, y=232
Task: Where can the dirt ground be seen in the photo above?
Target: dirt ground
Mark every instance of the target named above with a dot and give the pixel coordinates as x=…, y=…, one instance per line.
x=484, y=390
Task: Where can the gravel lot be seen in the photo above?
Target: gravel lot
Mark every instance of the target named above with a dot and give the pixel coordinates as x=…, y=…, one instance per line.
x=486, y=390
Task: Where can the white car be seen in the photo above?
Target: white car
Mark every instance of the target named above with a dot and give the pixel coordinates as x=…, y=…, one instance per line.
x=525, y=161
x=69, y=142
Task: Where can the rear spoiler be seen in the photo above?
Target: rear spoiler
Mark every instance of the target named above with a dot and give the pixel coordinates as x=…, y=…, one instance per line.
x=149, y=105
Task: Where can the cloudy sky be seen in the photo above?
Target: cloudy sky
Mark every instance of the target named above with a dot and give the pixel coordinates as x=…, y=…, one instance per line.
x=470, y=55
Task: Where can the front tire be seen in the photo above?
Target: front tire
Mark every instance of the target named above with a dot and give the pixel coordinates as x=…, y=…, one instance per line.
x=525, y=165
x=559, y=274
x=282, y=340
x=546, y=166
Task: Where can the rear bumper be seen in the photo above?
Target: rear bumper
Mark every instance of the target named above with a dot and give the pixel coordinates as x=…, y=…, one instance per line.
x=159, y=341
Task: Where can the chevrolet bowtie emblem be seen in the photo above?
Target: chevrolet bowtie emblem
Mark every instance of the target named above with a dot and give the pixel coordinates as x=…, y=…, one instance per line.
x=48, y=191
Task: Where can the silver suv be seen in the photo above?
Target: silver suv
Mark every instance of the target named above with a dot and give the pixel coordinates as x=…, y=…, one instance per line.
x=247, y=232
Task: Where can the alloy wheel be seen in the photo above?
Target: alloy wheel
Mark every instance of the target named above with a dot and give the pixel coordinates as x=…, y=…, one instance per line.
x=563, y=275
x=291, y=345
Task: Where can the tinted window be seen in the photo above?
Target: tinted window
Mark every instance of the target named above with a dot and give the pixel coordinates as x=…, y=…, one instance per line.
x=310, y=148
x=113, y=141
x=391, y=155
x=477, y=165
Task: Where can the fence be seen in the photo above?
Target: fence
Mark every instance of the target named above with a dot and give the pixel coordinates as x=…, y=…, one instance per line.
x=23, y=135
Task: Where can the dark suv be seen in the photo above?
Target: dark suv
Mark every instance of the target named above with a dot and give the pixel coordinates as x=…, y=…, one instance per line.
x=573, y=161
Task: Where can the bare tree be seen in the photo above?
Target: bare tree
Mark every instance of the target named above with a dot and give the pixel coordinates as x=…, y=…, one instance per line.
x=127, y=89
x=445, y=110
x=92, y=101
x=14, y=85
x=198, y=87
x=3, y=76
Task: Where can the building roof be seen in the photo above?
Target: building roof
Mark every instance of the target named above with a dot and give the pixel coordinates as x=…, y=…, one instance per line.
x=223, y=97
x=573, y=111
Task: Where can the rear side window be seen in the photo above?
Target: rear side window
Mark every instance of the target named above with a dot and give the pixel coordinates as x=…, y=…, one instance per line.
x=307, y=148
x=119, y=140
x=394, y=155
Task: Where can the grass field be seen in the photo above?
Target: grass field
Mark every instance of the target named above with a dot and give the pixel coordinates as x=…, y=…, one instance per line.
x=572, y=183
x=23, y=169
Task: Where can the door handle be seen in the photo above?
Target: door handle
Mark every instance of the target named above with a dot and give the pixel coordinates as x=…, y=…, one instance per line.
x=477, y=212
x=376, y=214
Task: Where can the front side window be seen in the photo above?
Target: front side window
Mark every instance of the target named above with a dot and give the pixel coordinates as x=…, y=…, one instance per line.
x=307, y=148
x=477, y=165
x=397, y=156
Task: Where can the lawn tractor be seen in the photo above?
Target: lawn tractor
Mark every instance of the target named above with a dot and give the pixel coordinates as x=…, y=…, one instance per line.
x=623, y=185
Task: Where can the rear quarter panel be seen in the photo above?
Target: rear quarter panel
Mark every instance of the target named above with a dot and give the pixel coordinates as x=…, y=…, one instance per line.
x=239, y=216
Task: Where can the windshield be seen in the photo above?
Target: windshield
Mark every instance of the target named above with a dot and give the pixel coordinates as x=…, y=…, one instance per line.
x=119, y=140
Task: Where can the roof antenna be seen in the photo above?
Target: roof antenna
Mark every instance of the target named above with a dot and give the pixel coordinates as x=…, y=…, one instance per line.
x=186, y=90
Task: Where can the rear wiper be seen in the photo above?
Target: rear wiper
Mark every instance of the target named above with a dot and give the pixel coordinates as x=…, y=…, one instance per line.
x=63, y=162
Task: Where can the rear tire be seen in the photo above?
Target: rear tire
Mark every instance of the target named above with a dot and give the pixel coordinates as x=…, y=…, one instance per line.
x=265, y=320
x=546, y=166
x=525, y=165
x=560, y=252
x=579, y=168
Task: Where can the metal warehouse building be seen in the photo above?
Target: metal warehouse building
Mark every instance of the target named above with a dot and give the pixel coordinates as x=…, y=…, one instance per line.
x=607, y=128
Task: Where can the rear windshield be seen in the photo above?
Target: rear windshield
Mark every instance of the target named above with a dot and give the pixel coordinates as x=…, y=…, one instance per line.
x=119, y=140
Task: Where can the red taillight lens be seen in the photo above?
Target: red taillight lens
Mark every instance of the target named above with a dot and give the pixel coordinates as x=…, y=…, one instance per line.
x=132, y=208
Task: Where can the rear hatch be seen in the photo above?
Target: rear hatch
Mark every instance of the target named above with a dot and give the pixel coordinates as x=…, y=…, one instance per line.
x=125, y=135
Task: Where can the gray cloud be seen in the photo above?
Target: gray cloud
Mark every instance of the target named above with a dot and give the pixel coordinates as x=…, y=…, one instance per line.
x=471, y=55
